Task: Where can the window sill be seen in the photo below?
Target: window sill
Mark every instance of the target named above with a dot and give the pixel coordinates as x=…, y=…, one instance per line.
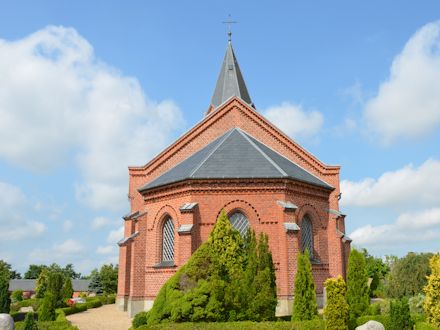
x=165, y=264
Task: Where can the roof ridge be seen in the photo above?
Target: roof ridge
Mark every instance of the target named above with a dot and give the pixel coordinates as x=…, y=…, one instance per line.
x=271, y=161
x=212, y=151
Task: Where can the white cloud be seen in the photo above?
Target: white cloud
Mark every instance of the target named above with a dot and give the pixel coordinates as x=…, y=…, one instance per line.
x=100, y=222
x=67, y=226
x=15, y=213
x=108, y=249
x=294, y=120
x=426, y=225
x=63, y=252
x=57, y=99
x=408, y=186
x=408, y=102
x=115, y=235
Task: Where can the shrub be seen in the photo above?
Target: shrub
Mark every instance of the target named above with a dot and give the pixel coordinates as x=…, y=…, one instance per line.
x=384, y=319
x=5, y=300
x=304, y=300
x=432, y=291
x=416, y=304
x=76, y=308
x=35, y=303
x=47, y=309
x=400, y=317
x=94, y=303
x=315, y=324
x=358, y=297
x=424, y=326
x=67, y=290
x=17, y=296
x=29, y=322
x=139, y=319
x=336, y=311
x=374, y=309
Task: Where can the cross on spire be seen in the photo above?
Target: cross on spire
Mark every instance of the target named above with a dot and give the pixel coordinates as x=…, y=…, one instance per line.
x=229, y=21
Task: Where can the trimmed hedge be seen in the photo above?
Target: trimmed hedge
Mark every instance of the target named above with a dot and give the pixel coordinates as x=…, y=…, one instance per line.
x=77, y=308
x=295, y=325
x=50, y=325
x=94, y=303
x=35, y=303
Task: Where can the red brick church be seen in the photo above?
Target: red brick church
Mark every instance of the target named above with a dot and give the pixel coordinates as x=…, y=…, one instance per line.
x=236, y=160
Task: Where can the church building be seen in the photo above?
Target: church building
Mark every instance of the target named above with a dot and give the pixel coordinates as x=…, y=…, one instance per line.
x=234, y=159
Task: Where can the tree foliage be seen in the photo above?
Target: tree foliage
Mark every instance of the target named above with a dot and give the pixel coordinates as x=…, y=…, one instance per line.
x=336, y=310
x=304, y=296
x=29, y=322
x=68, y=271
x=46, y=312
x=13, y=274
x=432, y=291
x=41, y=284
x=109, y=278
x=220, y=282
x=95, y=282
x=5, y=300
x=407, y=275
x=376, y=270
x=358, y=298
x=67, y=289
x=400, y=318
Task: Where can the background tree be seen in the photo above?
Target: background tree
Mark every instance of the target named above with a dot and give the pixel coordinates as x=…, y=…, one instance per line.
x=109, y=278
x=13, y=274
x=69, y=272
x=358, y=298
x=304, y=297
x=95, y=282
x=407, y=275
x=67, y=289
x=34, y=271
x=376, y=270
x=432, y=290
x=5, y=300
x=336, y=310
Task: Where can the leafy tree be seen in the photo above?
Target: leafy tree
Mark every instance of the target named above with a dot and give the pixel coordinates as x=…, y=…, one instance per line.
x=358, y=298
x=67, y=289
x=432, y=290
x=46, y=312
x=407, y=275
x=34, y=271
x=376, y=270
x=29, y=322
x=400, y=318
x=95, y=282
x=69, y=272
x=5, y=300
x=109, y=278
x=304, y=300
x=13, y=274
x=336, y=310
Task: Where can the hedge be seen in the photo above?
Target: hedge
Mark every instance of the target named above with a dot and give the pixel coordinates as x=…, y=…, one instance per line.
x=76, y=308
x=35, y=303
x=282, y=325
x=50, y=325
x=94, y=303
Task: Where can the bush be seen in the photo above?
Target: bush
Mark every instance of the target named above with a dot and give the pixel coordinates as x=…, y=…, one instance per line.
x=47, y=309
x=400, y=317
x=424, y=326
x=304, y=297
x=5, y=300
x=140, y=319
x=35, y=303
x=76, y=308
x=384, y=319
x=17, y=296
x=94, y=303
x=336, y=311
x=374, y=309
x=316, y=324
x=432, y=290
x=29, y=322
x=416, y=304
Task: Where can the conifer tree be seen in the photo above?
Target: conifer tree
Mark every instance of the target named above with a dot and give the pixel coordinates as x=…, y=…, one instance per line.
x=336, y=310
x=46, y=312
x=5, y=299
x=304, y=300
x=358, y=297
x=55, y=283
x=432, y=291
x=95, y=282
x=41, y=285
x=400, y=317
x=67, y=289
x=29, y=322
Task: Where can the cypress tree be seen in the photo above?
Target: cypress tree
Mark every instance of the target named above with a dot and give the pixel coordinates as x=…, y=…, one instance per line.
x=67, y=289
x=41, y=285
x=336, y=311
x=358, y=297
x=5, y=299
x=29, y=322
x=304, y=300
x=55, y=283
x=432, y=291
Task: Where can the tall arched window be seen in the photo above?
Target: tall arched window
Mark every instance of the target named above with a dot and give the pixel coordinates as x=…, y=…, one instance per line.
x=239, y=222
x=168, y=240
x=307, y=236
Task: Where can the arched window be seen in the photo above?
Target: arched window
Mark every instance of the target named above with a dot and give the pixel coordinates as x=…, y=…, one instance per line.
x=307, y=236
x=168, y=240
x=239, y=222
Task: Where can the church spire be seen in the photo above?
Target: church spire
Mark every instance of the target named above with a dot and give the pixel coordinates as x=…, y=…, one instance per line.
x=230, y=81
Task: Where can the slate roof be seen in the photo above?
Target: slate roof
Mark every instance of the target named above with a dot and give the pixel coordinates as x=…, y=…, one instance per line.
x=230, y=81
x=235, y=155
x=29, y=285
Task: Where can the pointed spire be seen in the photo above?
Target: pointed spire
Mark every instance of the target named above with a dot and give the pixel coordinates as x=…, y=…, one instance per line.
x=230, y=81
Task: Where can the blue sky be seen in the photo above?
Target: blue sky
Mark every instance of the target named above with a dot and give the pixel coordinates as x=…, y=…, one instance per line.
x=88, y=88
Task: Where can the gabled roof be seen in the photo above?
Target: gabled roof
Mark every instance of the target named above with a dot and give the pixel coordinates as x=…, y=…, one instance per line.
x=30, y=285
x=230, y=81
x=235, y=155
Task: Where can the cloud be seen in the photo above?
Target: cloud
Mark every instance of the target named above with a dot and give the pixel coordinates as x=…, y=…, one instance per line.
x=67, y=226
x=408, y=186
x=408, y=102
x=108, y=249
x=100, y=222
x=64, y=252
x=294, y=120
x=426, y=223
x=15, y=211
x=59, y=103
x=115, y=235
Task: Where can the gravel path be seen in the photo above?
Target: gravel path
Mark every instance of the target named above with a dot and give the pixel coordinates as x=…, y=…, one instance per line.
x=106, y=317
